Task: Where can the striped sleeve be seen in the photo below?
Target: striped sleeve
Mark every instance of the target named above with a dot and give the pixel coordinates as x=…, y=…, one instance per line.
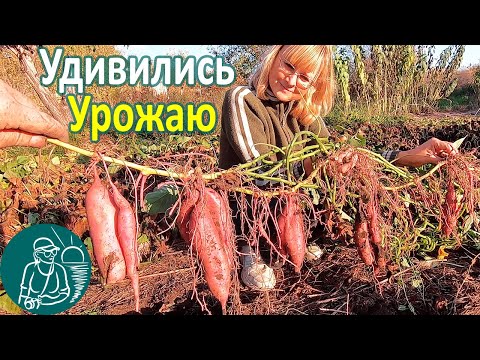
x=243, y=127
x=390, y=155
x=298, y=170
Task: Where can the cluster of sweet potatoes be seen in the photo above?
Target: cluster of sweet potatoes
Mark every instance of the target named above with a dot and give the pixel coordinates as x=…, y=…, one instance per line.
x=113, y=229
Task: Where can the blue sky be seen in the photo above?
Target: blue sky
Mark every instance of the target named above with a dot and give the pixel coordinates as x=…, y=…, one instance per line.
x=470, y=57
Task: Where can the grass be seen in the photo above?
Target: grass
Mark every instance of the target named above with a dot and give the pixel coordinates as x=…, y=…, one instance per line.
x=461, y=99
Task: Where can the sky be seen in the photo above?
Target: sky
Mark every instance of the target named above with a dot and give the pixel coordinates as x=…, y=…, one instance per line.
x=470, y=57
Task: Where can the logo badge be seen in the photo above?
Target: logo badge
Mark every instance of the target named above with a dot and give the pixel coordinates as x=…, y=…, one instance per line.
x=45, y=269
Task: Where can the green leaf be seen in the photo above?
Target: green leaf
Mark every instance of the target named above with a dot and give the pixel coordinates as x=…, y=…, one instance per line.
x=6, y=304
x=160, y=200
x=22, y=159
x=33, y=218
x=142, y=239
x=56, y=160
x=179, y=139
x=405, y=263
x=3, y=185
x=358, y=141
x=206, y=143
x=88, y=243
x=20, y=167
x=5, y=204
x=113, y=168
x=467, y=224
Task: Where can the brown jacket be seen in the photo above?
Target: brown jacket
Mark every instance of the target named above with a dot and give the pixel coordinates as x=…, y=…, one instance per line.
x=249, y=124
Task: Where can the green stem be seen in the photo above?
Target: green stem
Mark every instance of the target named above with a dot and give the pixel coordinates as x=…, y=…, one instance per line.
x=144, y=169
x=421, y=178
x=380, y=159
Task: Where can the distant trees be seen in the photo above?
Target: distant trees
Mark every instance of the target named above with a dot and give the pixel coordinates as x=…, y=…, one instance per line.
x=376, y=79
x=243, y=57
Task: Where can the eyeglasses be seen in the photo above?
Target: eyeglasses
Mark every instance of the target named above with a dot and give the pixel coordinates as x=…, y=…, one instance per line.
x=303, y=81
x=48, y=252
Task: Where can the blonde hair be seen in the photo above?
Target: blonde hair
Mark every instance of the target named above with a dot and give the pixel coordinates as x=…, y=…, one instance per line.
x=318, y=99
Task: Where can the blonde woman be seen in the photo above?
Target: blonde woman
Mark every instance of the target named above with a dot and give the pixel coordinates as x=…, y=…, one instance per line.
x=292, y=90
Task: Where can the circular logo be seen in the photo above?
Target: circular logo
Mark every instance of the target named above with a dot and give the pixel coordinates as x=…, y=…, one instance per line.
x=45, y=269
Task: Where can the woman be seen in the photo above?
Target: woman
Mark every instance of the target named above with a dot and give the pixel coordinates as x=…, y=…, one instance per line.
x=291, y=90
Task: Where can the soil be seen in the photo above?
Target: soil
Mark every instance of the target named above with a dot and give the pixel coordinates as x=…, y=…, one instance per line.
x=339, y=283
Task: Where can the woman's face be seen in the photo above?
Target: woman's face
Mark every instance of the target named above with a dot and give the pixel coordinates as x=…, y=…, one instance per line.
x=46, y=256
x=286, y=80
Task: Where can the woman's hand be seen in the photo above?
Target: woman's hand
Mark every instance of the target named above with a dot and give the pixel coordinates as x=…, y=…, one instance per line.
x=344, y=162
x=430, y=152
x=22, y=123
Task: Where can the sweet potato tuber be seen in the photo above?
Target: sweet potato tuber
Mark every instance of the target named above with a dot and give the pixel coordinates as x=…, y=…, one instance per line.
x=291, y=231
x=189, y=198
x=208, y=244
x=220, y=212
x=126, y=231
x=362, y=240
x=200, y=222
x=101, y=211
x=450, y=211
x=373, y=224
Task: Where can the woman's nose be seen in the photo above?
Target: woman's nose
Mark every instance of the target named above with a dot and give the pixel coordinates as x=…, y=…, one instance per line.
x=292, y=80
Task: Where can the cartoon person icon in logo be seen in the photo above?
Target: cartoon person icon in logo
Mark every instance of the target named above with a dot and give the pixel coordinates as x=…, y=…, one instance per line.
x=44, y=281
x=45, y=269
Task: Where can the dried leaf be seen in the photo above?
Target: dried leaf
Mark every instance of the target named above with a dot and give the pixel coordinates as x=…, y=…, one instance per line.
x=442, y=254
x=458, y=143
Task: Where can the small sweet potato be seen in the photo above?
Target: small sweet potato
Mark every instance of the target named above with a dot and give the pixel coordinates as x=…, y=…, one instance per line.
x=373, y=224
x=361, y=238
x=450, y=211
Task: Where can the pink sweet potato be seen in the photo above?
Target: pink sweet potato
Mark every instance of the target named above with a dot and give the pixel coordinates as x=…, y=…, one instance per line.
x=291, y=235
x=373, y=224
x=220, y=212
x=207, y=242
x=202, y=223
x=450, y=211
x=361, y=237
x=189, y=198
x=126, y=231
x=101, y=211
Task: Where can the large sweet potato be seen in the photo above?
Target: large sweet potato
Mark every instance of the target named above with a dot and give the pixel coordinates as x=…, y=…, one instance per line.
x=220, y=212
x=291, y=231
x=126, y=231
x=200, y=222
x=101, y=212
